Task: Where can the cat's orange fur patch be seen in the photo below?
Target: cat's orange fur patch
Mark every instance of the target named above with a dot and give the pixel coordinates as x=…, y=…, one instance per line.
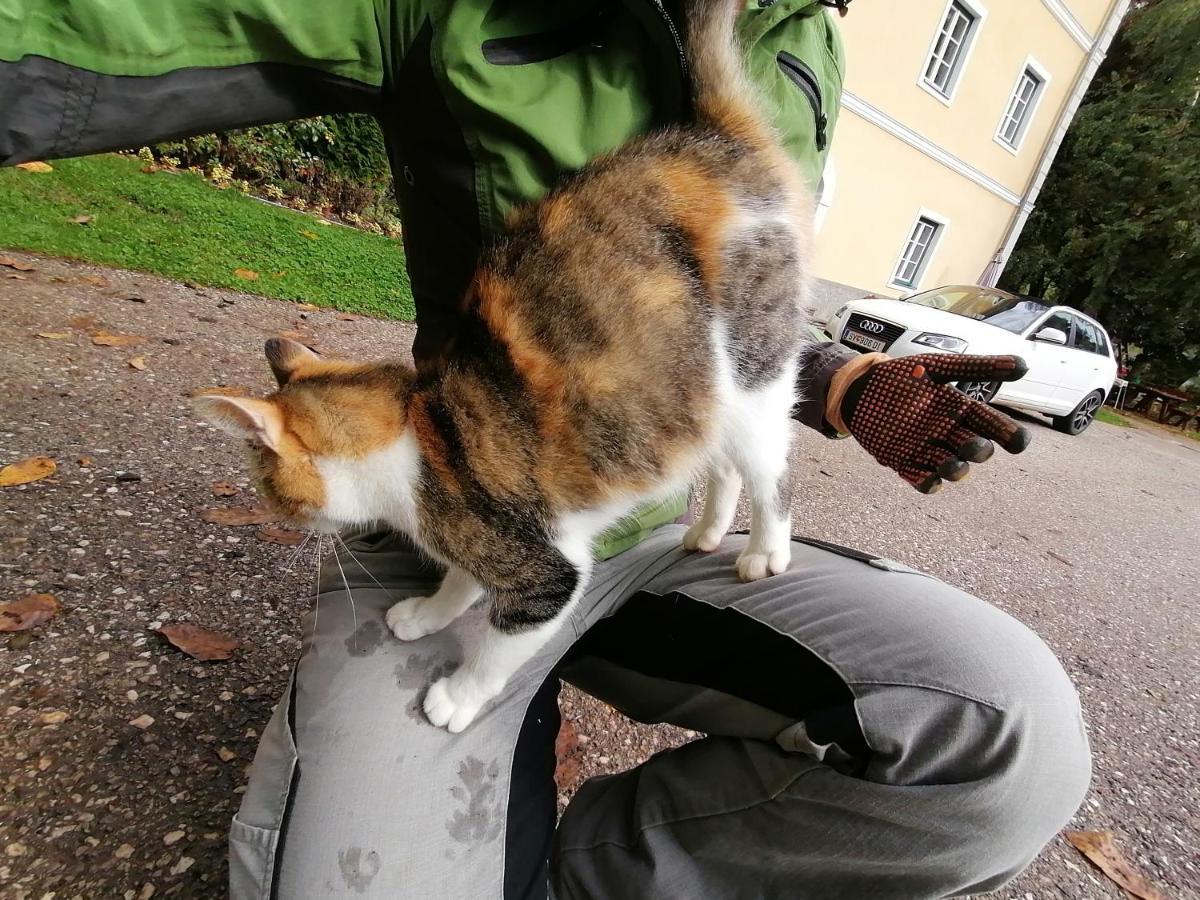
x=702, y=206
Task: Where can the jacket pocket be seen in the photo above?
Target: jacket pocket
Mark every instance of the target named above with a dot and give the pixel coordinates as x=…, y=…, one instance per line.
x=254, y=835
x=804, y=78
x=521, y=50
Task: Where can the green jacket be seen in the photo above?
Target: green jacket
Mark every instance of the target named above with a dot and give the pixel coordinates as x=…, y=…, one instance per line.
x=484, y=103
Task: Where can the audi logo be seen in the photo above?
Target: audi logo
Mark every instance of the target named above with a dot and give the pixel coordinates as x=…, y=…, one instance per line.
x=869, y=326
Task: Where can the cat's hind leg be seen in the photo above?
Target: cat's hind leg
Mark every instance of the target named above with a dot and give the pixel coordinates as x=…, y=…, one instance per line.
x=416, y=617
x=758, y=446
x=720, y=507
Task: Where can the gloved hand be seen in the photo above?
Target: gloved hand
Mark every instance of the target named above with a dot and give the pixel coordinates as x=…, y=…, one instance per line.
x=906, y=415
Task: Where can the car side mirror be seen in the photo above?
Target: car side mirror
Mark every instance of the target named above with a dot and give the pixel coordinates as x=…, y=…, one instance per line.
x=1051, y=336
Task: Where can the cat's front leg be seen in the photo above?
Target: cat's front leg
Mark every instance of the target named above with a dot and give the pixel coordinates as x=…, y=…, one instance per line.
x=521, y=621
x=416, y=617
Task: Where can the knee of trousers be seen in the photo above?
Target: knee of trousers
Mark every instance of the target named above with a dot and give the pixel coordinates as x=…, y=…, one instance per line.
x=1011, y=747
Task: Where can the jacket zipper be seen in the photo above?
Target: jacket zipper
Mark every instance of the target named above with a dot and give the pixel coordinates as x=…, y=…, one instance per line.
x=805, y=79
x=670, y=23
x=524, y=49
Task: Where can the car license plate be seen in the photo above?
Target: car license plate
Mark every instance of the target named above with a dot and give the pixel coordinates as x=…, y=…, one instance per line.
x=858, y=339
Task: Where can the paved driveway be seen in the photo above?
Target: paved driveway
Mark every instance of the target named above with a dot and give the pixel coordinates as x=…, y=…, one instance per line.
x=1092, y=541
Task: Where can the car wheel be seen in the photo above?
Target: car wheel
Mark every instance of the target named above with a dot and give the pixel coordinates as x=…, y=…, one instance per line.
x=1078, y=419
x=983, y=391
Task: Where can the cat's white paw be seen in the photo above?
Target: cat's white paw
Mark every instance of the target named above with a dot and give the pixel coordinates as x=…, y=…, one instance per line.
x=452, y=703
x=751, y=566
x=703, y=537
x=414, y=618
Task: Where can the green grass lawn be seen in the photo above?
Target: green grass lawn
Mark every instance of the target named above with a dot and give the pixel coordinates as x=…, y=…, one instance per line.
x=1104, y=414
x=180, y=226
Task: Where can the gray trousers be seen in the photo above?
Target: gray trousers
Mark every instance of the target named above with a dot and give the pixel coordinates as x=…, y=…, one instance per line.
x=871, y=732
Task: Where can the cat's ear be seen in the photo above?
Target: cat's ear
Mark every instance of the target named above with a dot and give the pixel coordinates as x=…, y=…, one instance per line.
x=285, y=357
x=256, y=420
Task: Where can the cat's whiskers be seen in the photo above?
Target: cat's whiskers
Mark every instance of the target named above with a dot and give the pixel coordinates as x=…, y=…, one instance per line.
x=346, y=583
x=365, y=570
x=296, y=553
x=316, y=594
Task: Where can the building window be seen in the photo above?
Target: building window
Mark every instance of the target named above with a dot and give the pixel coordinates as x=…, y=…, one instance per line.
x=917, y=251
x=950, y=48
x=1021, y=105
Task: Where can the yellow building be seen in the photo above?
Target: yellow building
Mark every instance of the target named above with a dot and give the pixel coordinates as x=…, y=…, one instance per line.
x=952, y=112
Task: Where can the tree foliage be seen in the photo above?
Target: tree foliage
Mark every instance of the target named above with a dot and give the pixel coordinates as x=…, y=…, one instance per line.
x=1116, y=232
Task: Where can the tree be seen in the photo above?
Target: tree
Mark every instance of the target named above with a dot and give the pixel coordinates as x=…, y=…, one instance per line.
x=1116, y=232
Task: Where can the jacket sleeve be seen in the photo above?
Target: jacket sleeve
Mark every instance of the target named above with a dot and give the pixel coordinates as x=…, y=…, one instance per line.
x=818, y=362
x=81, y=76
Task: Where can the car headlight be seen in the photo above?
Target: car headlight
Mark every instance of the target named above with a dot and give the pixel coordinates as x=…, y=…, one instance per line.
x=941, y=342
x=841, y=309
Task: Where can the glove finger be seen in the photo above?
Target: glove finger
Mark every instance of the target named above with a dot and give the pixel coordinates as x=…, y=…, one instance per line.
x=947, y=367
x=990, y=423
x=924, y=481
x=930, y=465
x=969, y=446
x=943, y=463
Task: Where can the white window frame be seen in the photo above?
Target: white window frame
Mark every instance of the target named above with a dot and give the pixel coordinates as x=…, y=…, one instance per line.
x=979, y=11
x=942, y=224
x=1043, y=75
x=828, y=187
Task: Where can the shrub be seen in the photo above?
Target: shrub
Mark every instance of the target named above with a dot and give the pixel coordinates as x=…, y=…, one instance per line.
x=336, y=165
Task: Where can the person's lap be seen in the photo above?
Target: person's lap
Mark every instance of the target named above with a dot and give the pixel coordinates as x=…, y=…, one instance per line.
x=872, y=732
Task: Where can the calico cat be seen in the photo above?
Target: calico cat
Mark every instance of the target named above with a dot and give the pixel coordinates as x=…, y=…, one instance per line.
x=637, y=327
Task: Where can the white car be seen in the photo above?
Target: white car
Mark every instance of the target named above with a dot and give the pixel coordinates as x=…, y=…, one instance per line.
x=1070, y=357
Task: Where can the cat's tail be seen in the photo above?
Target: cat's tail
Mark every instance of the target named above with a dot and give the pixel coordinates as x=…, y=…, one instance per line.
x=722, y=94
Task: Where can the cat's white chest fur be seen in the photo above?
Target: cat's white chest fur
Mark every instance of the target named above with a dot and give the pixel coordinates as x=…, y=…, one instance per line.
x=378, y=487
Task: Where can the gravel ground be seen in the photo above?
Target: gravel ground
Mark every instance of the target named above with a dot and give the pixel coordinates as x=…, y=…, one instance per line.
x=1090, y=540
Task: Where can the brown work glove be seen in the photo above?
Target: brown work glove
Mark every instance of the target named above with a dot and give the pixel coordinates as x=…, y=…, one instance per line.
x=906, y=414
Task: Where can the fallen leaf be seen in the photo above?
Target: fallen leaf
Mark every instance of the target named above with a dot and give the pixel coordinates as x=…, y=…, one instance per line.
x=278, y=274
x=81, y=219
x=83, y=322
x=23, y=471
x=23, y=614
x=15, y=264
x=95, y=280
x=307, y=307
x=136, y=299
x=566, y=764
x=224, y=488
x=245, y=274
x=239, y=515
x=143, y=721
x=85, y=462
x=1061, y=559
x=286, y=536
x=54, y=335
x=311, y=235
x=1101, y=851
x=104, y=339
x=55, y=718
x=348, y=317
x=138, y=362
x=35, y=167
x=225, y=754
x=231, y=391
x=15, y=276
x=200, y=643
